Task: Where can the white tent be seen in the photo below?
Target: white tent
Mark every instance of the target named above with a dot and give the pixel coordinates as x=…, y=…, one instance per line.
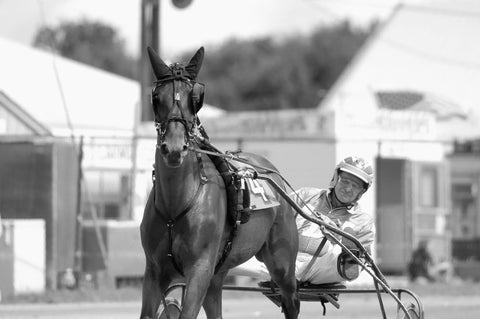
x=56, y=91
x=63, y=94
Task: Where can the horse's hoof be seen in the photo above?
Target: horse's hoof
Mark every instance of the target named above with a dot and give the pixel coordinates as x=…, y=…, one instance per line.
x=173, y=306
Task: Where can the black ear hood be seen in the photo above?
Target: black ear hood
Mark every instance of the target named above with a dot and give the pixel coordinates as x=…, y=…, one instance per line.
x=160, y=69
x=195, y=63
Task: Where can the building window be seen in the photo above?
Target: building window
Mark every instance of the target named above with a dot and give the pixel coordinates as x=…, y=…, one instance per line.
x=465, y=231
x=428, y=187
x=106, y=192
x=465, y=207
x=111, y=211
x=462, y=191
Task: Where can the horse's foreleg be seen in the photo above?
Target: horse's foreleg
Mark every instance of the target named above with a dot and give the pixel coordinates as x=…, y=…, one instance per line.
x=151, y=292
x=279, y=255
x=197, y=282
x=213, y=300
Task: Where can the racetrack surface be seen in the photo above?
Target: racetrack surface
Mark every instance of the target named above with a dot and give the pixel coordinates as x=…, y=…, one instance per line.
x=352, y=306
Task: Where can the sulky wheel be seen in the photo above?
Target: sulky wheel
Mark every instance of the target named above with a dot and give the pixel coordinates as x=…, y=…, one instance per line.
x=413, y=311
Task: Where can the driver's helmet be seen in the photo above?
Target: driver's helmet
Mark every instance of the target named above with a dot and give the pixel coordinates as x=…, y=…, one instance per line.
x=356, y=166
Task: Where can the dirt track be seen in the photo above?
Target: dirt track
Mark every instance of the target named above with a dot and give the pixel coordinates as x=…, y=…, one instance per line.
x=438, y=307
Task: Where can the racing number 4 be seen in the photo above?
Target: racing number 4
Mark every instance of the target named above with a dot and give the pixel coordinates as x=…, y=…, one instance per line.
x=257, y=189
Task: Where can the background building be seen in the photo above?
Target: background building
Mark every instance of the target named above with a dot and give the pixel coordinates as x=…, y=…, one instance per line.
x=406, y=96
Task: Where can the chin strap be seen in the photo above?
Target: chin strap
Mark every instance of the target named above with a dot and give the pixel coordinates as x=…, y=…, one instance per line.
x=342, y=204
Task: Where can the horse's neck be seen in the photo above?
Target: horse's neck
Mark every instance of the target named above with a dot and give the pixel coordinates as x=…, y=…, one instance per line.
x=175, y=187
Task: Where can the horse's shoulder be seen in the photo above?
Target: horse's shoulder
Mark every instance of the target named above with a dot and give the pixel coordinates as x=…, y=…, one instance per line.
x=212, y=170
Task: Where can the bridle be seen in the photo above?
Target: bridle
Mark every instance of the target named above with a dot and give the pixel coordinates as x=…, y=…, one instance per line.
x=179, y=74
x=191, y=126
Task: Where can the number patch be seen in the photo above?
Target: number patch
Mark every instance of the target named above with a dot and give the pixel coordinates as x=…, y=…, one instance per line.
x=257, y=189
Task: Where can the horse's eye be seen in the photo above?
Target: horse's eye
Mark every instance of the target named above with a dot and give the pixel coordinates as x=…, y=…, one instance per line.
x=155, y=99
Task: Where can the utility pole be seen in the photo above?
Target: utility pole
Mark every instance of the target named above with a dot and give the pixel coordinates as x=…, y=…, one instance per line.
x=77, y=265
x=149, y=36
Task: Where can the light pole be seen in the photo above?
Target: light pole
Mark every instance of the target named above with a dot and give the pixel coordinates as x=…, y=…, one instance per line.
x=150, y=36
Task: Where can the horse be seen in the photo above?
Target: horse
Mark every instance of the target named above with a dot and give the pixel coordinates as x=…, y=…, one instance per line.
x=185, y=227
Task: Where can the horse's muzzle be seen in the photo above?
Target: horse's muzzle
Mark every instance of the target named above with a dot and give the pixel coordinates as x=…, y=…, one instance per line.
x=173, y=156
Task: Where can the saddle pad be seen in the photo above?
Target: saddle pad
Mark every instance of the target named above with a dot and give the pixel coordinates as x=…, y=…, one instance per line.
x=261, y=193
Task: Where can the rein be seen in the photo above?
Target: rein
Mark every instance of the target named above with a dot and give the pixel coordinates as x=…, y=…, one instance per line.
x=233, y=157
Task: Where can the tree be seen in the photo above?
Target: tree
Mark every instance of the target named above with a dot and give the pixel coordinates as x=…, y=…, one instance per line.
x=258, y=74
x=265, y=74
x=89, y=42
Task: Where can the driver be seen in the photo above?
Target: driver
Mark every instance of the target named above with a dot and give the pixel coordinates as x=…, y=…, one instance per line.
x=320, y=260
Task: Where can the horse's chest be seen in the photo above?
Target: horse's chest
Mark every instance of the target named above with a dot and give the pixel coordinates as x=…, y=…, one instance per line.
x=185, y=238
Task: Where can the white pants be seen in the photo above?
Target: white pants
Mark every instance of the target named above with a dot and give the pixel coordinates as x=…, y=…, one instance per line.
x=322, y=270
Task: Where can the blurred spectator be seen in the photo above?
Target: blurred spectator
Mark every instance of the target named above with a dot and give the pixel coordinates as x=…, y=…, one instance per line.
x=68, y=279
x=422, y=266
x=442, y=271
x=420, y=263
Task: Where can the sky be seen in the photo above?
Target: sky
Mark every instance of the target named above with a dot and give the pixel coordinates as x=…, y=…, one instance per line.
x=202, y=23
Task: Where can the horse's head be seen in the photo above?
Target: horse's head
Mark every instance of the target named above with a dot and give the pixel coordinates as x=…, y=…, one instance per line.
x=176, y=99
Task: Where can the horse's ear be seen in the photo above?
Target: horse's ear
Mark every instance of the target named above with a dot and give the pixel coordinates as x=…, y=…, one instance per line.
x=160, y=69
x=195, y=63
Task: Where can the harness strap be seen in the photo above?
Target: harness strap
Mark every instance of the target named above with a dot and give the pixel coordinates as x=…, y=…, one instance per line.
x=171, y=222
x=203, y=175
x=170, y=225
x=228, y=245
x=190, y=126
x=324, y=308
x=315, y=256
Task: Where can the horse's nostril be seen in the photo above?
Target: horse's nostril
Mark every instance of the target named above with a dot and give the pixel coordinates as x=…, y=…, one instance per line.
x=185, y=148
x=164, y=148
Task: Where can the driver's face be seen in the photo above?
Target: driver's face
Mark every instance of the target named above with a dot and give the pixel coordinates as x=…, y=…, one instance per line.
x=348, y=187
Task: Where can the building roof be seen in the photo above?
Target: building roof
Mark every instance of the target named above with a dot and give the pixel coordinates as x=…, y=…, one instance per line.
x=30, y=124
x=424, y=57
x=61, y=94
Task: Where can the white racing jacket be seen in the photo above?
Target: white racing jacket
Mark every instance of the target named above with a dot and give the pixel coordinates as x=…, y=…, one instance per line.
x=352, y=219
x=323, y=268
